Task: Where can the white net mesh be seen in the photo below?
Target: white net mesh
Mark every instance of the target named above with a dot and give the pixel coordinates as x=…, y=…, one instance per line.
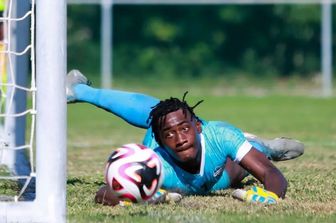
x=17, y=102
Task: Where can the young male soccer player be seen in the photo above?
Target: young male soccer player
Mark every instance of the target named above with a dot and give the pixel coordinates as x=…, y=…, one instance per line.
x=198, y=156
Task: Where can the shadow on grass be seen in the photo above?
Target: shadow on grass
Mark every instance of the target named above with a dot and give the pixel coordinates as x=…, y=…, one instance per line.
x=80, y=181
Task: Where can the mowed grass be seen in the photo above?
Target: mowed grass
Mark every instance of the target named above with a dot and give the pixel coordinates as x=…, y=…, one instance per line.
x=311, y=197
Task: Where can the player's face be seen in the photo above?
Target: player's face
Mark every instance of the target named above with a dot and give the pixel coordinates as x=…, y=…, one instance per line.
x=180, y=135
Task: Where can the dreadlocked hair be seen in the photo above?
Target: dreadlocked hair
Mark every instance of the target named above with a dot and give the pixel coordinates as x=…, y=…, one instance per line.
x=157, y=116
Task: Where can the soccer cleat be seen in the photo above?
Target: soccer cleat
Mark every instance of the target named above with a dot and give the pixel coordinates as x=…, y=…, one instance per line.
x=279, y=149
x=73, y=78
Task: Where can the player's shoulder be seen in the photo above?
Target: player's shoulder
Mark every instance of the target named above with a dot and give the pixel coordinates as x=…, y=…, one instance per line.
x=219, y=125
x=221, y=131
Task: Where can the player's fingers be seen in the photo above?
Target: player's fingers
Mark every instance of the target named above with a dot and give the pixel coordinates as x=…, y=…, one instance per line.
x=104, y=196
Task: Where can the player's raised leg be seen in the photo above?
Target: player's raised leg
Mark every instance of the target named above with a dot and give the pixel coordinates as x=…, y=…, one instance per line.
x=132, y=107
x=74, y=78
x=278, y=149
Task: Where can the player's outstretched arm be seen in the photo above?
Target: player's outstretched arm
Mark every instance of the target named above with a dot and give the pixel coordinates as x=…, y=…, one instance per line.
x=261, y=168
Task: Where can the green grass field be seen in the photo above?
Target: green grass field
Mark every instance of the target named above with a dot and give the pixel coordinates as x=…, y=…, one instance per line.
x=311, y=195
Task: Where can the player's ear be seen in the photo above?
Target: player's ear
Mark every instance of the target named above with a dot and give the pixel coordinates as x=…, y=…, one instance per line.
x=198, y=126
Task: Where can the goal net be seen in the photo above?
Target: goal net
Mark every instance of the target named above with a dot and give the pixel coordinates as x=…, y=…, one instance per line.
x=32, y=111
x=15, y=150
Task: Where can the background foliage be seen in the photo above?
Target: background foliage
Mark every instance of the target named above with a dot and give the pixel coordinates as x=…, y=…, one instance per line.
x=200, y=40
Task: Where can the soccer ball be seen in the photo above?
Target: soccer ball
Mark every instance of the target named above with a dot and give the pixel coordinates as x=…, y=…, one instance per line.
x=134, y=172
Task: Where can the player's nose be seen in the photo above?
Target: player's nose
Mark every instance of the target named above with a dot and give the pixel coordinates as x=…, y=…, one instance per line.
x=180, y=140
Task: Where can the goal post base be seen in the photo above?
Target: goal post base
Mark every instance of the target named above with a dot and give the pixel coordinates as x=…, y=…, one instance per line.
x=33, y=211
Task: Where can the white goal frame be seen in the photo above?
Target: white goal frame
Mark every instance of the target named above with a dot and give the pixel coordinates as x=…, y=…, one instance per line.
x=50, y=202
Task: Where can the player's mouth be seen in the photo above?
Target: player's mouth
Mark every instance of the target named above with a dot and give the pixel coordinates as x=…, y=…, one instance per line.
x=182, y=149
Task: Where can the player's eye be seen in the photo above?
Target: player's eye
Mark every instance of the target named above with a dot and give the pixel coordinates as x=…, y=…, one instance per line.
x=168, y=135
x=185, y=128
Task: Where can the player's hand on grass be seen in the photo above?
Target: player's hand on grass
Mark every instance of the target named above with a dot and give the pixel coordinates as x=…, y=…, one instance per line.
x=105, y=196
x=160, y=197
x=256, y=195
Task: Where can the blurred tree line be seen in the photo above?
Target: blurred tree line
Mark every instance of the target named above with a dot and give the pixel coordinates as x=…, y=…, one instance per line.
x=196, y=40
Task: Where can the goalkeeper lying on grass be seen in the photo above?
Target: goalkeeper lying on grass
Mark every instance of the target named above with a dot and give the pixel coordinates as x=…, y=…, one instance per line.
x=198, y=156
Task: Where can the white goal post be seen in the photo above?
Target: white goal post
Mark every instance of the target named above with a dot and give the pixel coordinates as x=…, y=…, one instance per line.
x=49, y=204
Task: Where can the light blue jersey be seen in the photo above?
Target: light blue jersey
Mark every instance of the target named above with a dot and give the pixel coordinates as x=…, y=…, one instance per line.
x=219, y=140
